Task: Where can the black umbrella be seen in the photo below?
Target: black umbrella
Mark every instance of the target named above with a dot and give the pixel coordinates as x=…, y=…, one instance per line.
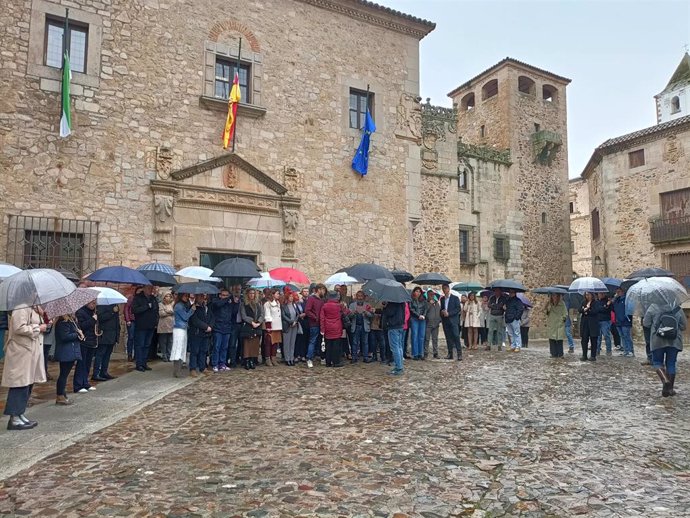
x=388, y=290
x=506, y=284
x=237, y=269
x=367, y=272
x=402, y=275
x=69, y=274
x=158, y=278
x=196, y=288
x=549, y=290
x=645, y=273
x=431, y=278
x=625, y=285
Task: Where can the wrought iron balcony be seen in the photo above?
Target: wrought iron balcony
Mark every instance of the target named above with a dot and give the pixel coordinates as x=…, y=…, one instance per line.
x=671, y=229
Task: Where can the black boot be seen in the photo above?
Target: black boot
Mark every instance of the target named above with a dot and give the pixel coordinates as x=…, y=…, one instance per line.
x=246, y=364
x=671, y=382
x=665, y=382
x=251, y=364
x=450, y=356
x=15, y=423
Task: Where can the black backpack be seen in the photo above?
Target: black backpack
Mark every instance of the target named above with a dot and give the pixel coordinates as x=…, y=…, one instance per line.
x=668, y=327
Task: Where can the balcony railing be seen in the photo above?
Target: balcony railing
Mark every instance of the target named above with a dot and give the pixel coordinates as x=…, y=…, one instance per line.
x=671, y=229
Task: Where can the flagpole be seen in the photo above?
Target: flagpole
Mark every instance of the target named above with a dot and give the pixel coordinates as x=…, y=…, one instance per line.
x=64, y=49
x=237, y=71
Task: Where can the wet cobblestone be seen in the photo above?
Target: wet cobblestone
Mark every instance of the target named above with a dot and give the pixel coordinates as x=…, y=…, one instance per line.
x=499, y=434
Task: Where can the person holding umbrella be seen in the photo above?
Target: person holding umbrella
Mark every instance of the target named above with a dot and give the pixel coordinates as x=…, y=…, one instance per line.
x=667, y=323
x=68, y=338
x=556, y=315
x=183, y=312
x=472, y=321
x=109, y=324
x=433, y=322
x=164, y=328
x=393, y=316
x=605, y=323
x=331, y=322
x=273, y=320
x=513, y=313
x=23, y=364
x=589, y=325
x=450, y=320
x=88, y=323
x=623, y=322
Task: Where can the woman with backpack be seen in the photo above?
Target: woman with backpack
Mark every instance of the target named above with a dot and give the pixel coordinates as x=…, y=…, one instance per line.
x=666, y=324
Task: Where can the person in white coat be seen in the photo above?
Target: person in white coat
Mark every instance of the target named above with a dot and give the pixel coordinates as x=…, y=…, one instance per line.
x=23, y=364
x=273, y=320
x=472, y=321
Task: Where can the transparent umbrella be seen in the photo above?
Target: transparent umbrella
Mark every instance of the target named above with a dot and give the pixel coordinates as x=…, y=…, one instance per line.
x=588, y=284
x=33, y=287
x=663, y=291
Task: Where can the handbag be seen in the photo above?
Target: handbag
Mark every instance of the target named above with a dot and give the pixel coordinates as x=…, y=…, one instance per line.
x=323, y=344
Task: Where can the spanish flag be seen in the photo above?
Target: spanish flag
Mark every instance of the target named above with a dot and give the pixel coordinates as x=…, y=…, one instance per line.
x=233, y=101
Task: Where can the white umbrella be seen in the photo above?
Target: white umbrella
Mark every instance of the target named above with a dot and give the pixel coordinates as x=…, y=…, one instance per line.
x=266, y=281
x=341, y=278
x=7, y=270
x=32, y=288
x=662, y=291
x=588, y=284
x=108, y=296
x=199, y=273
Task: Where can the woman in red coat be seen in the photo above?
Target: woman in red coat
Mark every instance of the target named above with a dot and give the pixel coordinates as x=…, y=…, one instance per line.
x=331, y=321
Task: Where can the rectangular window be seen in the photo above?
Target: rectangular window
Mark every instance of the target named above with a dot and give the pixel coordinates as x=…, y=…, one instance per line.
x=679, y=264
x=463, y=184
x=358, y=107
x=572, y=248
x=571, y=206
x=225, y=75
x=482, y=131
x=636, y=158
x=675, y=204
x=537, y=127
x=77, y=43
x=501, y=248
x=469, y=248
x=596, y=230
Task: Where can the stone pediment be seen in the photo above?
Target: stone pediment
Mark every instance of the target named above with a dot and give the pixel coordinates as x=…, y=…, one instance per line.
x=229, y=171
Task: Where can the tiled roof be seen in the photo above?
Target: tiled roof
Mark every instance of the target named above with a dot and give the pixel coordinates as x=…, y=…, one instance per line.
x=388, y=10
x=636, y=137
x=514, y=62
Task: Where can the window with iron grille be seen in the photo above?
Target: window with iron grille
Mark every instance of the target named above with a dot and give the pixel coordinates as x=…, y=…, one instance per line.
x=359, y=102
x=679, y=264
x=225, y=75
x=596, y=230
x=501, y=248
x=40, y=242
x=469, y=247
x=77, y=41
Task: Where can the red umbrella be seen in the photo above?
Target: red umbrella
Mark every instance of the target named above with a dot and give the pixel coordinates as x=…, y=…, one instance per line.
x=289, y=275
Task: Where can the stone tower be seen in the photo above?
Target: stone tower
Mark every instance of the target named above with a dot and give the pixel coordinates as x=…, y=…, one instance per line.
x=512, y=142
x=672, y=103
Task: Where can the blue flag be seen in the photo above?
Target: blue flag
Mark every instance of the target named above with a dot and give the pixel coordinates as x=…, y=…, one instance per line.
x=360, y=162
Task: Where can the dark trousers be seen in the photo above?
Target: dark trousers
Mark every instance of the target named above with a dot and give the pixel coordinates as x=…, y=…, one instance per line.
x=142, y=342
x=556, y=348
x=524, y=336
x=131, y=329
x=232, y=344
x=483, y=335
x=452, y=334
x=301, y=343
x=101, y=360
x=591, y=339
x=647, y=338
x=17, y=400
x=334, y=351
x=164, y=345
x=377, y=344
x=198, y=351
x=616, y=336
x=463, y=333
x=46, y=351
x=81, y=374
x=360, y=343
x=61, y=385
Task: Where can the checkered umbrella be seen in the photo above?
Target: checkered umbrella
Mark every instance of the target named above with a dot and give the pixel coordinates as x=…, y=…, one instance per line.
x=157, y=267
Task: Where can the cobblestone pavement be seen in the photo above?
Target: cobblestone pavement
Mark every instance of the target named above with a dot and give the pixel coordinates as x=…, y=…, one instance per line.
x=499, y=434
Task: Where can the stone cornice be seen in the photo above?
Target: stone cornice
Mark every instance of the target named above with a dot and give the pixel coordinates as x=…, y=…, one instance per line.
x=229, y=158
x=374, y=14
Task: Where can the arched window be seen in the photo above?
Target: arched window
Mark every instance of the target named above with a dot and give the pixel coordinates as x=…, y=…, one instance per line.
x=489, y=89
x=526, y=86
x=675, y=104
x=467, y=102
x=549, y=93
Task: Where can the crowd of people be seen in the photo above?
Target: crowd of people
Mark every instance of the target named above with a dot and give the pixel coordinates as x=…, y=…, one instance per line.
x=244, y=327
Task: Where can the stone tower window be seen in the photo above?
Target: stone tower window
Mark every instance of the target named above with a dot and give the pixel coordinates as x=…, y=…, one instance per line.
x=360, y=101
x=543, y=217
x=490, y=89
x=482, y=131
x=596, y=229
x=467, y=102
x=675, y=104
x=571, y=206
x=548, y=93
x=527, y=86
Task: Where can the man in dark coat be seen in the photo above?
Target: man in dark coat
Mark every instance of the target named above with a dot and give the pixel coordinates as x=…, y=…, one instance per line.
x=513, y=313
x=88, y=320
x=109, y=325
x=450, y=319
x=145, y=309
x=201, y=324
x=225, y=310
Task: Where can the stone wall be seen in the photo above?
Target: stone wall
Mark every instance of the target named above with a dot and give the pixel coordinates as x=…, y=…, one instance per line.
x=143, y=92
x=628, y=199
x=580, y=228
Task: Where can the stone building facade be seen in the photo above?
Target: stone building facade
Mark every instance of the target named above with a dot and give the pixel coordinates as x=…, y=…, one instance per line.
x=580, y=228
x=639, y=201
x=495, y=188
x=144, y=176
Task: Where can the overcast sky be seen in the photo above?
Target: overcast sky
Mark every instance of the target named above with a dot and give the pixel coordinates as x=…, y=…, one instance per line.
x=618, y=53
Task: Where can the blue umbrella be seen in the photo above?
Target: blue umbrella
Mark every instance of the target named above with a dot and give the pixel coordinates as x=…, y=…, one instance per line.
x=158, y=278
x=157, y=267
x=118, y=274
